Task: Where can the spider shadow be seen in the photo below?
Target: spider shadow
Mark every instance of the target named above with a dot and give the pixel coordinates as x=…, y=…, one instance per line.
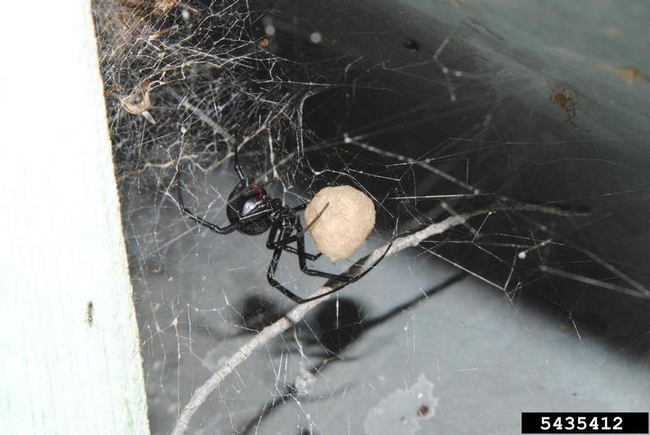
x=337, y=325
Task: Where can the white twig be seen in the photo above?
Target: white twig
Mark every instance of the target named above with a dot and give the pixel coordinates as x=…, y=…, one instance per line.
x=294, y=316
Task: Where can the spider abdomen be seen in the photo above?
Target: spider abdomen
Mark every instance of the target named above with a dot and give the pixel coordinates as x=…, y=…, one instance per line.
x=249, y=204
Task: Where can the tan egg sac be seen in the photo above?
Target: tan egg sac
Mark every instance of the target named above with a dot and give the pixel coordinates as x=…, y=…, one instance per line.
x=344, y=225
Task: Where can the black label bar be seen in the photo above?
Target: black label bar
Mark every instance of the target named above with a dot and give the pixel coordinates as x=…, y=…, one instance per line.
x=584, y=422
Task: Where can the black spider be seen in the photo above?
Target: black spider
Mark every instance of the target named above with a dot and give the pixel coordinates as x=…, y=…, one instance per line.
x=252, y=211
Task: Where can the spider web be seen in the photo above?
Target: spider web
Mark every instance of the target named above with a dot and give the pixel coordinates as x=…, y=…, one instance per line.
x=431, y=117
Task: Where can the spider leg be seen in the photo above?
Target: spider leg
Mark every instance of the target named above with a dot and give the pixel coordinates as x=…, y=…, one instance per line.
x=283, y=242
x=277, y=252
x=238, y=168
x=302, y=258
x=199, y=220
x=297, y=299
x=299, y=238
x=288, y=226
x=310, y=257
x=356, y=278
x=270, y=276
x=320, y=213
x=272, y=243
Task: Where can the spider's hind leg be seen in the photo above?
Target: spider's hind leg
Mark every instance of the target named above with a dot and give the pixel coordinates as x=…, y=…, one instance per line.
x=308, y=256
x=344, y=282
x=281, y=245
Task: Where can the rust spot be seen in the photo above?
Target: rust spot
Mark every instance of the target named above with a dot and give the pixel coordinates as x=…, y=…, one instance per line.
x=412, y=45
x=264, y=42
x=566, y=102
